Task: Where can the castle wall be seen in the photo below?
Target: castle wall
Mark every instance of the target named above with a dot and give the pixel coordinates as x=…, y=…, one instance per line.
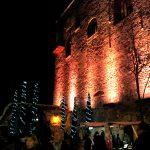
x=102, y=65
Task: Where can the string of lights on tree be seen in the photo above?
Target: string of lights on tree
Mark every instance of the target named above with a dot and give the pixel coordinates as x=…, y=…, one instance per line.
x=34, y=109
x=63, y=113
x=74, y=122
x=14, y=115
x=22, y=108
x=88, y=110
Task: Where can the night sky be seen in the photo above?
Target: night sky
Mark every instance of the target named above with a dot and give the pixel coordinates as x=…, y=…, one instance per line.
x=27, y=40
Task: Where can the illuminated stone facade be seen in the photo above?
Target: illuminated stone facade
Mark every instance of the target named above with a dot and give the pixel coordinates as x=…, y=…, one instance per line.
x=103, y=63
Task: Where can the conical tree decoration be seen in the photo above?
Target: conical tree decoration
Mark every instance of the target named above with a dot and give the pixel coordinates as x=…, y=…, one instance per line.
x=88, y=110
x=34, y=109
x=22, y=109
x=63, y=113
x=74, y=121
x=13, y=123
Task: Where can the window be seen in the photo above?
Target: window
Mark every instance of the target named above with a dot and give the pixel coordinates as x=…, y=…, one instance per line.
x=92, y=27
x=68, y=47
x=122, y=8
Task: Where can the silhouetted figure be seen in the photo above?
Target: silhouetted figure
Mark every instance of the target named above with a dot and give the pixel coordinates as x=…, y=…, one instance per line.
x=75, y=142
x=143, y=140
x=50, y=144
x=43, y=131
x=99, y=141
x=88, y=142
x=66, y=143
x=117, y=143
x=102, y=141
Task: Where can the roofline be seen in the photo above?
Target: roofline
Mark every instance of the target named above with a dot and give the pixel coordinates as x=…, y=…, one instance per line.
x=68, y=7
x=66, y=10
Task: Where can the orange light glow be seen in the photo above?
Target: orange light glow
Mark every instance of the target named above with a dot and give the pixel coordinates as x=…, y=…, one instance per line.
x=72, y=83
x=58, y=93
x=112, y=86
x=91, y=83
x=72, y=91
x=55, y=120
x=145, y=82
x=59, y=85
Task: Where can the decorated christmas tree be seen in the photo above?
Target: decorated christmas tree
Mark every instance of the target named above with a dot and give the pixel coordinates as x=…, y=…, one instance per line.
x=63, y=113
x=74, y=122
x=88, y=110
x=34, y=109
x=13, y=123
x=22, y=109
x=17, y=123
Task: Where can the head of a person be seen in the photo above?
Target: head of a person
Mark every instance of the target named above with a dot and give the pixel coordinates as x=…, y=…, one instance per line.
x=96, y=134
x=102, y=133
x=31, y=142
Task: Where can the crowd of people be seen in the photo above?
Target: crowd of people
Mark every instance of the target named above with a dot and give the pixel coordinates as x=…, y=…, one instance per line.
x=88, y=142
x=99, y=142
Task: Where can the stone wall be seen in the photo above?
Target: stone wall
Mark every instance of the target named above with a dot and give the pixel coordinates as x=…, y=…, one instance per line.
x=102, y=65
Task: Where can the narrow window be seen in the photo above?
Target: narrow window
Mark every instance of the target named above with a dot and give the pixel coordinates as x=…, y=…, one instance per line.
x=122, y=8
x=92, y=27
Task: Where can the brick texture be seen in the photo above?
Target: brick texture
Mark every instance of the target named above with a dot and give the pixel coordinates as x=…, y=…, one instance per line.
x=102, y=65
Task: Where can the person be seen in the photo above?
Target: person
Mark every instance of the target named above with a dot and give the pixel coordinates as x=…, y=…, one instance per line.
x=97, y=142
x=142, y=142
x=31, y=143
x=102, y=140
x=50, y=144
x=126, y=138
x=88, y=142
x=109, y=144
x=66, y=143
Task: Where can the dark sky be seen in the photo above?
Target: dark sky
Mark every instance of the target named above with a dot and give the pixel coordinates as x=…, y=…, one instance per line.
x=27, y=40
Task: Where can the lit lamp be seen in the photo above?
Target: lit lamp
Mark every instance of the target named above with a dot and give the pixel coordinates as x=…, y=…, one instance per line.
x=55, y=120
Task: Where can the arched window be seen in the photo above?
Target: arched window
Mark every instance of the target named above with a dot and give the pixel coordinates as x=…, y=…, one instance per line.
x=92, y=27
x=68, y=47
x=122, y=8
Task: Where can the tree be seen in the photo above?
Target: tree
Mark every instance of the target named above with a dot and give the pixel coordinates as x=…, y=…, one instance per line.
x=14, y=116
x=17, y=123
x=34, y=109
x=74, y=122
x=63, y=113
x=140, y=61
x=22, y=109
x=88, y=110
x=138, y=64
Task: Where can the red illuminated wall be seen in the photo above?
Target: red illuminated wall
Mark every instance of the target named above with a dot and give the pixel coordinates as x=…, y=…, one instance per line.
x=102, y=65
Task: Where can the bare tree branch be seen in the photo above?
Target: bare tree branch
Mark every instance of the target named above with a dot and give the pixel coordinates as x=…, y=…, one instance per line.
x=146, y=85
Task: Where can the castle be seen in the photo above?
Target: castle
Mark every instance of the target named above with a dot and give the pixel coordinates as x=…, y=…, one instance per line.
x=103, y=48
